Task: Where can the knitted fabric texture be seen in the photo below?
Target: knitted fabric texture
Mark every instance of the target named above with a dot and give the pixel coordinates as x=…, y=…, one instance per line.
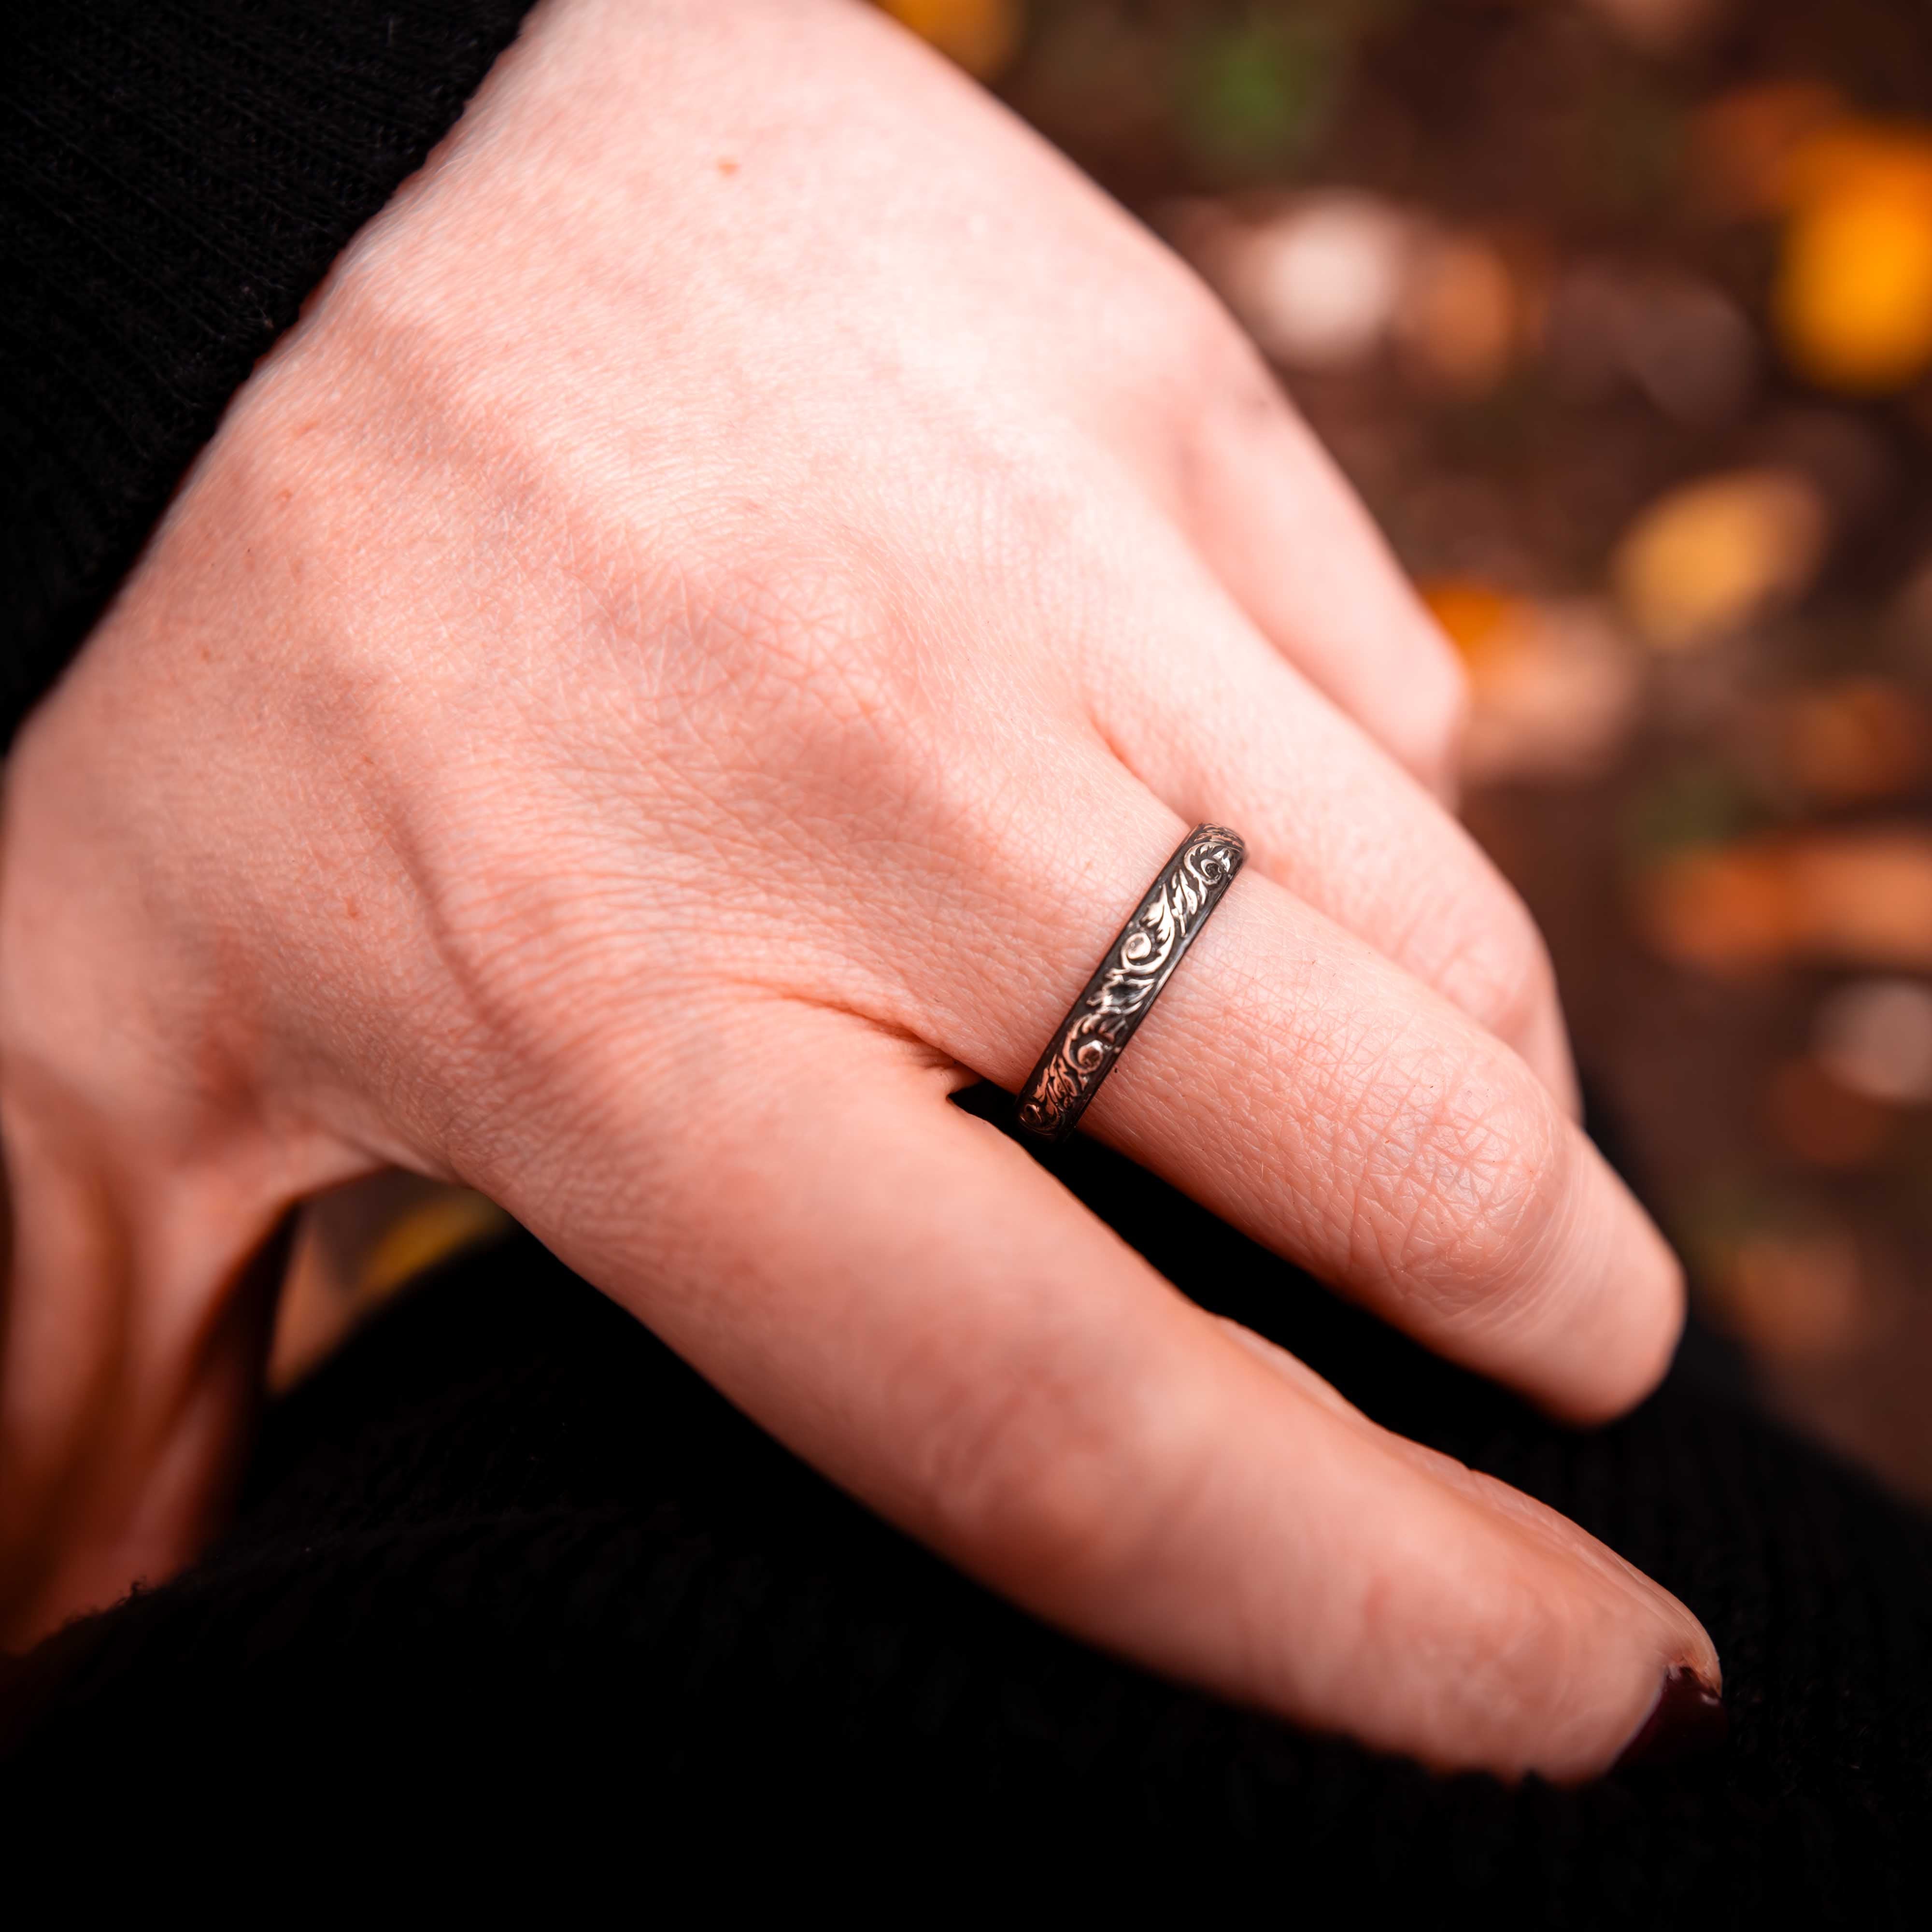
x=508, y=1556
x=176, y=177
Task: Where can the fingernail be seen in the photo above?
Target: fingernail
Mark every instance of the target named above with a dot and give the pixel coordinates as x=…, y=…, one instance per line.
x=1687, y=1720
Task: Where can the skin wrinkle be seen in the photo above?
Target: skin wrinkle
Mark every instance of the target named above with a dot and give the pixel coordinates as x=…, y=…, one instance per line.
x=1391, y=1096
x=1496, y=968
x=1480, y=1273
x=1461, y=1161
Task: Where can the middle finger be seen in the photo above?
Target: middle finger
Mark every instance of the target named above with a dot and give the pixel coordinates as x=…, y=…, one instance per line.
x=1204, y=710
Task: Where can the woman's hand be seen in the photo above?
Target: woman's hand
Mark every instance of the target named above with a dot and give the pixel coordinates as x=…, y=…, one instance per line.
x=733, y=589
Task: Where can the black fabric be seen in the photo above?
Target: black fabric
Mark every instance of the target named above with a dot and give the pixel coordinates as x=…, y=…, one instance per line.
x=508, y=1553
x=507, y=1559
x=175, y=176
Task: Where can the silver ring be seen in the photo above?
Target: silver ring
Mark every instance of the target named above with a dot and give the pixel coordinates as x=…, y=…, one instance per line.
x=1139, y=963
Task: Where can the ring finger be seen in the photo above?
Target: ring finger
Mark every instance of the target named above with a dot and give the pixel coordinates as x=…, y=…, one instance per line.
x=1302, y=1086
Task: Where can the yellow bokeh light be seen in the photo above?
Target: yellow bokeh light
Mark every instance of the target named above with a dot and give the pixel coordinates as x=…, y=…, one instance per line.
x=981, y=35
x=1714, y=554
x=1853, y=299
x=449, y=1221
x=1473, y=613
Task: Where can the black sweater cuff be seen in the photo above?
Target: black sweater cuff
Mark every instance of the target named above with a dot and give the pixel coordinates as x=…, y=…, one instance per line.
x=175, y=176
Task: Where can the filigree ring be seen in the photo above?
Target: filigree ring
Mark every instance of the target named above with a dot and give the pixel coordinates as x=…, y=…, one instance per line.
x=1139, y=963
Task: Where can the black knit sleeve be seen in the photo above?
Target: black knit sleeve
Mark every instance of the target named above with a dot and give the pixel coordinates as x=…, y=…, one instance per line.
x=175, y=175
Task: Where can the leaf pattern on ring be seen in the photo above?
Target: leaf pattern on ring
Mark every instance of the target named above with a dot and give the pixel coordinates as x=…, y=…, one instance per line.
x=1116, y=998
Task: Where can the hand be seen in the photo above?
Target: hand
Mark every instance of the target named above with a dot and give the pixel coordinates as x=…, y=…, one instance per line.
x=732, y=589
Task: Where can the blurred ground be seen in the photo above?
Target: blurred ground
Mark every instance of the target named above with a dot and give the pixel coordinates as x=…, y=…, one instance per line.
x=1619, y=314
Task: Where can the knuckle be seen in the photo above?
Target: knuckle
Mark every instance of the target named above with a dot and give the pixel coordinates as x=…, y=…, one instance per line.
x=825, y=658
x=1024, y=1470
x=1465, y=1214
x=1522, y=1650
x=1234, y=411
x=1497, y=968
x=1244, y=396
x=1188, y=358
x=790, y=610
x=1428, y=731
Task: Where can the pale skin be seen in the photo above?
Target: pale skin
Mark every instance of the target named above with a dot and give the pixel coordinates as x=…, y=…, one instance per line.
x=680, y=661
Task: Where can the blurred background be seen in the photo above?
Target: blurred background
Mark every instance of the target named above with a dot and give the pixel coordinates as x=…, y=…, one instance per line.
x=1618, y=314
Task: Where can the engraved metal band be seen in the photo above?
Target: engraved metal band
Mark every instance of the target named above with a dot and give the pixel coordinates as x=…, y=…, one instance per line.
x=1139, y=964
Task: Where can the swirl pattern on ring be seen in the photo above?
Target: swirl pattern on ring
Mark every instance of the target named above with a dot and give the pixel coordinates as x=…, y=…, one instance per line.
x=1137, y=967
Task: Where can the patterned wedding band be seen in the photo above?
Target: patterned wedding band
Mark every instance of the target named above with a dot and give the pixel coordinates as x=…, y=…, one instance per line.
x=1139, y=963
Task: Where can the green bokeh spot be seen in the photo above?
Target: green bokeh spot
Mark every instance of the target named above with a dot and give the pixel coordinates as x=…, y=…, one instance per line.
x=1255, y=94
x=1698, y=803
